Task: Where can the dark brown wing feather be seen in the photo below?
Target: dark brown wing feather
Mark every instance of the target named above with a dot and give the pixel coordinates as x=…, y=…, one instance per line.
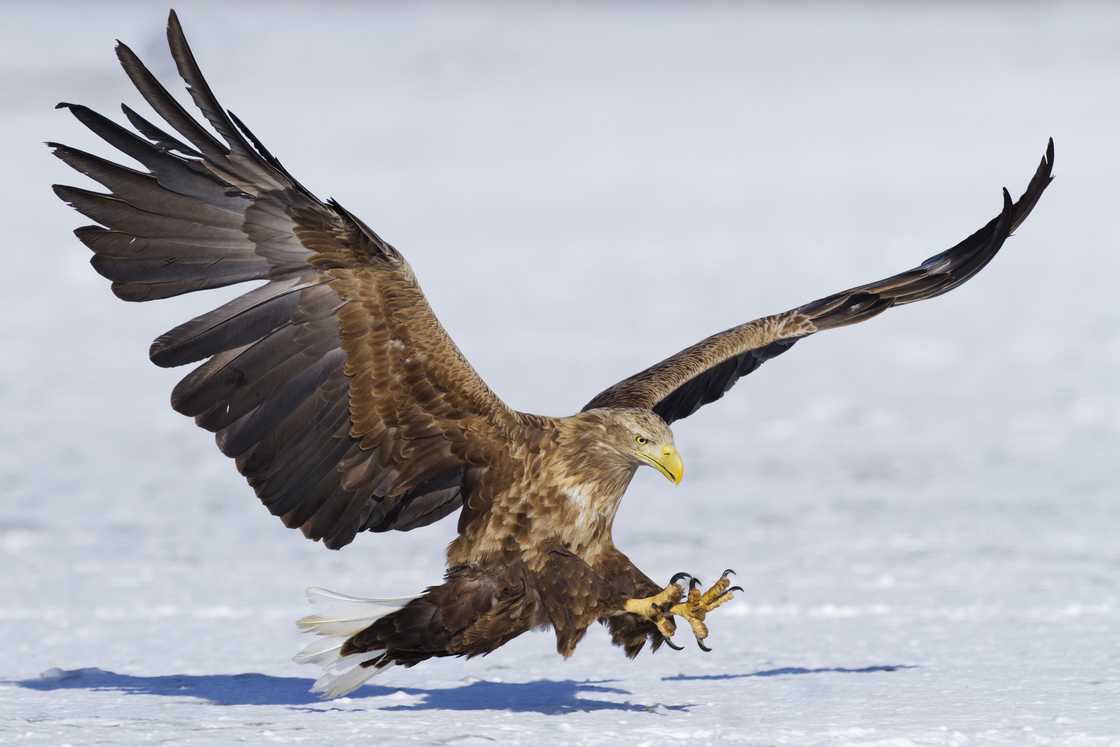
x=332, y=384
x=678, y=386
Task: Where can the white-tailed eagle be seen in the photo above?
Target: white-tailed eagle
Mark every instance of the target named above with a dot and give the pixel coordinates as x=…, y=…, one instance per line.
x=348, y=408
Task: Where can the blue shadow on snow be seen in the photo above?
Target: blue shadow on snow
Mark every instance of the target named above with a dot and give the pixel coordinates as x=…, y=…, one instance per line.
x=540, y=696
x=784, y=671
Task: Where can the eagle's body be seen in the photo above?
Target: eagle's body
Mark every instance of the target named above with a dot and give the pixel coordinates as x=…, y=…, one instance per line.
x=348, y=408
x=544, y=517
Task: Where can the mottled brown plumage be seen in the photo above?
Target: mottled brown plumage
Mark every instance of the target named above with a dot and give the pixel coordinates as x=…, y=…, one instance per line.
x=348, y=408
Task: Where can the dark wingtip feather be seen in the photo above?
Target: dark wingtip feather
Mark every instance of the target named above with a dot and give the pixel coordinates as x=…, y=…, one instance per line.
x=165, y=104
x=78, y=110
x=84, y=232
x=124, y=52
x=156, y=135
x=174, y=27
x=271, y=159
x=1042, y=178
x=1049, y=160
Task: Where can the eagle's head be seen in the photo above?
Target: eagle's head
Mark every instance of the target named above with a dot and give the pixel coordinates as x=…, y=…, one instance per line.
x=642, y=437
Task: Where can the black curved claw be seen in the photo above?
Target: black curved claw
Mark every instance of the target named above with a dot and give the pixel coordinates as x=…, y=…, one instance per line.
x=695, y=583
x=678, y=576
x=728, y=572
x=670, y=644
x=733, y=588
x=700, y=643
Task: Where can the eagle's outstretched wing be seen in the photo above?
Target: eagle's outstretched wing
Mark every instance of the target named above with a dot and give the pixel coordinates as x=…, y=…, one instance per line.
x=343, y=400
x=681, y=384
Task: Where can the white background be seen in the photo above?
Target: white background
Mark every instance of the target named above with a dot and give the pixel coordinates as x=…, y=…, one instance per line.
x=923, y=509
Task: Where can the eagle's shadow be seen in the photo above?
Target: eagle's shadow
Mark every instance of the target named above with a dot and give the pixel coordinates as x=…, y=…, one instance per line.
x=539, y=696
x=785, y=671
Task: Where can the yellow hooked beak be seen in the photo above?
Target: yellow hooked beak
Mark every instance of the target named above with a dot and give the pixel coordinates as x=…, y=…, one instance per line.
x=668, y=463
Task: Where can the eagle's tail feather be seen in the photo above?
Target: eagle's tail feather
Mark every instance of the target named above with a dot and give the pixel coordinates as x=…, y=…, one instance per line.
x=343, y=615
x=348, y=673
x=339, y=617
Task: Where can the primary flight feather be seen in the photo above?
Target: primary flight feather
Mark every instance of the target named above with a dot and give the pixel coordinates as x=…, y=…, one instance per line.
x=348, y=408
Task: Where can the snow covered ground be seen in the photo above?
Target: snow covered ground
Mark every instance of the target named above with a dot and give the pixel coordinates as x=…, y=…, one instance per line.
x=923, y=509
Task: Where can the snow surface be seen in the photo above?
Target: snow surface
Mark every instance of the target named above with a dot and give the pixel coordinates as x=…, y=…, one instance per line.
x=923, y=509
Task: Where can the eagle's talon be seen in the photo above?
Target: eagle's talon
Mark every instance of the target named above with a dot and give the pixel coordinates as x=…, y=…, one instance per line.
x=727, y=572
x=693, y=605
x=697, y=604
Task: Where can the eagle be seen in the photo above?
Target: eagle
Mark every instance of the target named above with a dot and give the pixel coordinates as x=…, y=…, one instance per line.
x=348, y=408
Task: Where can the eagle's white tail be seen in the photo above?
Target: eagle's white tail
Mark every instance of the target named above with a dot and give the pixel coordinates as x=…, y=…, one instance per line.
x=337, y=617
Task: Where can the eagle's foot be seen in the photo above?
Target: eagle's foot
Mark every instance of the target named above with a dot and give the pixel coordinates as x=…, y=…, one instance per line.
x=695, y=607
x=656, y=608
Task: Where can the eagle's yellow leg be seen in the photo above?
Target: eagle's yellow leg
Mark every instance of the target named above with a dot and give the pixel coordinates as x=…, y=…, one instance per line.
x=696, y=606
x=656, y=608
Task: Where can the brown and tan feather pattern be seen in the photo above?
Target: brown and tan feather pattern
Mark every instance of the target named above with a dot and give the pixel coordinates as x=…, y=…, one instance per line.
x=348, y=408
x=333, y=385
x=681, y=384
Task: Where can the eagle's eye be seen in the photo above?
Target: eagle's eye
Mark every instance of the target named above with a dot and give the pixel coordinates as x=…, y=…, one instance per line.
x=642, y=441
